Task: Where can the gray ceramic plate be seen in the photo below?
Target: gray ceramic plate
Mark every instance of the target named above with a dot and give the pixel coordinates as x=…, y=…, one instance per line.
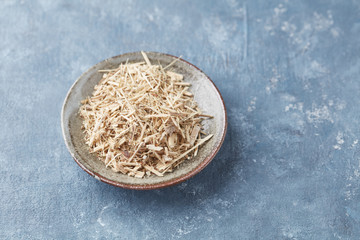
x=205, y=93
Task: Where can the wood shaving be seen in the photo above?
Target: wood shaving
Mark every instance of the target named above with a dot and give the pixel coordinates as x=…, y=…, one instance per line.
x=142, y=119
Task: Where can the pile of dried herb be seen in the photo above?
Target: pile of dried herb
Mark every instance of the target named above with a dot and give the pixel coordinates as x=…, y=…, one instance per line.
x=142, y=119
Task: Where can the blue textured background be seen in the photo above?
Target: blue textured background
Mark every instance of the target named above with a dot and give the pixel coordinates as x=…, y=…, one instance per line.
x=288, y=71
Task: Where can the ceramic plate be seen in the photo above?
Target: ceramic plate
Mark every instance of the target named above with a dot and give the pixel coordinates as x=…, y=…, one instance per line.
x=205, y=93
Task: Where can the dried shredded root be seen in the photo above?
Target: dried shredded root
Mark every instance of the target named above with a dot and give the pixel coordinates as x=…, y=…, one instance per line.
x=142, y=120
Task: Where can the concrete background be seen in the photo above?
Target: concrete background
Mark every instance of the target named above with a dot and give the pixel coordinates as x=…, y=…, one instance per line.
x=289, y=74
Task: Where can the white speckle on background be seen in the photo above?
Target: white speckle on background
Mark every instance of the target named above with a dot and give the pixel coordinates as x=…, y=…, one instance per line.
x=99, y=220
x=288, y=97
x=252, y=106
x=317, y=67
x=301, y=35
x=280, y=9
x=321, y=22
x=236, y=9
x=347, y=195
x=273, y=81
x=357, y=173
x=335, y=32
x=340, y=104
x=339, y=140
x=154, y=16
x=223, y=203
x=300, y=123
x=272, y=23
x=151, y=17
x=289, y=28
x=300, y=106
x=182, y=232
x=290, y=232
x=294, y=106
x=267, y=89
x=356, y=141
x=288, y=107
x=319, y=115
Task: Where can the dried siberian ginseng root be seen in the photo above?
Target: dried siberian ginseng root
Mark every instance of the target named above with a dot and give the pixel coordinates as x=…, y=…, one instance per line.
x=142, y=119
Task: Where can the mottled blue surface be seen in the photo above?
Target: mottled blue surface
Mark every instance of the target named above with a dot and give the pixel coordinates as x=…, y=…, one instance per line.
x=289, y=74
